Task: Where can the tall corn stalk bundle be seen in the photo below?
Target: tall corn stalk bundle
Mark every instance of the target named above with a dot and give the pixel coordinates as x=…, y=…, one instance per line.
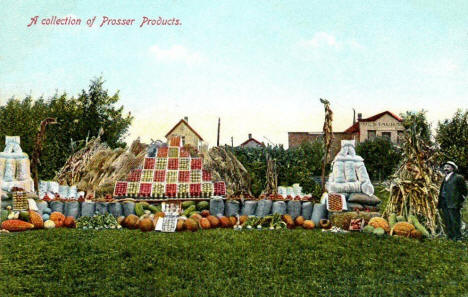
x=414, y=188
x=271, y=186
x=95, y=168
x=327, y=136
x=225, y=166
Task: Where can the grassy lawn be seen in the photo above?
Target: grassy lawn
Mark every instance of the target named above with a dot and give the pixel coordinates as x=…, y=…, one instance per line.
x=70, y=262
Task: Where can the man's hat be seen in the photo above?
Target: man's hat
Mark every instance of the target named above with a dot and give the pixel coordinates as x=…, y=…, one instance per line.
x=451, y=164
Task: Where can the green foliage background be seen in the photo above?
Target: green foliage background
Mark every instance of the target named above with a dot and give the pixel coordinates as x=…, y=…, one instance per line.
x=381, y=157
x=78, y=118
x=295, y=165
x=452, y=136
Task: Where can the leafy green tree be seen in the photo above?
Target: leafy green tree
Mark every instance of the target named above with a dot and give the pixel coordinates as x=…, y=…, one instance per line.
x=381, y=157
x=418, y=122
x=295, y=165
x=78, y=119
x=452, y=137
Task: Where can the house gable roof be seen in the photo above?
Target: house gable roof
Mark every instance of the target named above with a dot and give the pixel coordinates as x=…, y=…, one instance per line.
x=355, y=127
x=182, y=121
x=252, y=139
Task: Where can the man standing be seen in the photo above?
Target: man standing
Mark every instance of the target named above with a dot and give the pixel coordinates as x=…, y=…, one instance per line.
x=452, y=194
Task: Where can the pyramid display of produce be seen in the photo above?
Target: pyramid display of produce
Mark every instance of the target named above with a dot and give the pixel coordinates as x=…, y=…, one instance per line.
x=171, y=173
x=15, y=166
x=349, y=174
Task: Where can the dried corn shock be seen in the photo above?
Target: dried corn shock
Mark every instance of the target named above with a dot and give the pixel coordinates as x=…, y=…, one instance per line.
x=173, y=173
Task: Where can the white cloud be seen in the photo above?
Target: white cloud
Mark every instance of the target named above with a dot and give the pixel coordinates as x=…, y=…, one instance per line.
x=321, y=40
x=175, y=53
x=442, y=67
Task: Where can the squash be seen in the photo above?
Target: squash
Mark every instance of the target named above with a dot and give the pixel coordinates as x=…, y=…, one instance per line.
x=416, y=234
x=289, y=221
x=414, y=220
x=379, y=231
x=233, y=221
x=225, y=222
x=205, y=213
x=146, y=225
x=49, y=224
x=191, y=225
x=368, y=229
x=205, y=224
x=131, y=222
x=180, y=225
x=214, y=221
x=299, y=221
x=402, y=229
x=58, y=218
x=197, y=217
x=379, y=222
x=36, y=219
x=308, y=224
x=16, y=225
x=69, y=222
x=243, y=219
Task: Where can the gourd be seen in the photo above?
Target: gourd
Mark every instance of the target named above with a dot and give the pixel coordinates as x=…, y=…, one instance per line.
x=191, y=225
x=414, y=220
x=49, y=224
x=16, y=225
x=139, y=210
x=205, y=224
x=402, y=229
x=392, y=220
x=36, y=219
x=379, y=231
x=225, y=222
x=146, y=225
x=368, y=229
x=189, y=210
x=379, y=222
x=308, y=224
x=214, y=221
x=325, y=224
x=180, y=225
x=299, y=221
x=57, y=218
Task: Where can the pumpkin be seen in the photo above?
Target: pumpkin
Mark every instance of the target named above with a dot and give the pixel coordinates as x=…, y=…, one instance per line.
x=120, y=220
x=180, y=225
x=233, y=221
x=16, y=225
x=146, y=225
x=214, y=221
x=416, y=234
x=191, y=225
x=299, y=221
x=402, y=229
x=49, y=224
x=205, y=213
x=289, y=221
x=205, y=224
x=308, y=224
x=197, y=217
x=378, y=222
x=131, y=222
x=160, y=214
x=36, y=219
x=58, y=218
x=325, y=224
x=69, y=222
x=243, y=219
x=225, y=222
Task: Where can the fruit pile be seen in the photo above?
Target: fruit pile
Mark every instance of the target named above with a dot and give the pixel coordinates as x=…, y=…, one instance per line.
x=173, y=173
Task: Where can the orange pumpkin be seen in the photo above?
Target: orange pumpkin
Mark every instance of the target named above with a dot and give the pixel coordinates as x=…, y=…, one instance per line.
x=214, y=221
x=205, y=224
x=299, y=221
x=69, y=222
x=191, y=225
x=146, y=225
x=58, y=218
x=225, y=222
x=243, y=219
x=233, y=220
x=205, y=213
x=308, y=224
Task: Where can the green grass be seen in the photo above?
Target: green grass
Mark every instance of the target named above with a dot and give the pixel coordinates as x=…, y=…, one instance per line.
x=67, y=262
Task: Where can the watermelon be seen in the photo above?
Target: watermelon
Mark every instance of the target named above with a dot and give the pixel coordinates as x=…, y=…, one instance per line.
x=379, y=231
x=187, y=204
x=202, y=205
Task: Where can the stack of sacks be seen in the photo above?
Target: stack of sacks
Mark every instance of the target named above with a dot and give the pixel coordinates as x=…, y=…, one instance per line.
x=349, y=174
x=52, y=188
x=15, y=166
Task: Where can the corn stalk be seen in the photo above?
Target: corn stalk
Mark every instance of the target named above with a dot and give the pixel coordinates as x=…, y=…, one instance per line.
x=327, y=136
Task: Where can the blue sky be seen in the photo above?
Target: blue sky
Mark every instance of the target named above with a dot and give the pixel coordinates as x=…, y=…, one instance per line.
x=260, y=65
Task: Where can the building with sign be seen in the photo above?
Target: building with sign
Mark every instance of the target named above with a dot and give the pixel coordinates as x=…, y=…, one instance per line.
x=384, y=124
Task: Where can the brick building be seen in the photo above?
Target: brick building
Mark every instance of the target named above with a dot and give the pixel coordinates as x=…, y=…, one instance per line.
x=384, y=124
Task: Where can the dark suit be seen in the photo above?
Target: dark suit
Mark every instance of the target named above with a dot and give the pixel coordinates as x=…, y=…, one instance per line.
x=451, y=197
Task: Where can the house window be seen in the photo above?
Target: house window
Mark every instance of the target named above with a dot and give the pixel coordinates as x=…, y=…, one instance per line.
x=371, y=134
x=387, y=135
x=400, y=137
x=182, y=139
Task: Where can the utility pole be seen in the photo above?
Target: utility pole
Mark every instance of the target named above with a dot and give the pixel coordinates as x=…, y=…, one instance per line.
x=232, y=141
x=219, y=126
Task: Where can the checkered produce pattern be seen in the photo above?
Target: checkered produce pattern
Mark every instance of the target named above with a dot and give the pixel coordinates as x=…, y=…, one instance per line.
x=173, y=173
